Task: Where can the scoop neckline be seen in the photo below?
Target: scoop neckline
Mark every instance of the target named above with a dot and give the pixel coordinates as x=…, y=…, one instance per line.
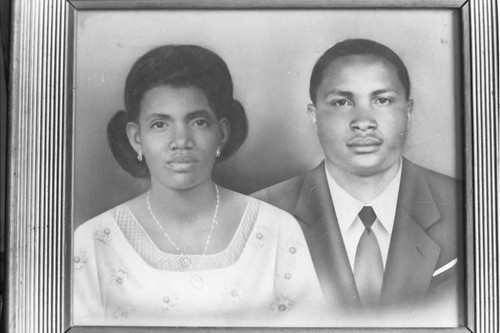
x=148, y=250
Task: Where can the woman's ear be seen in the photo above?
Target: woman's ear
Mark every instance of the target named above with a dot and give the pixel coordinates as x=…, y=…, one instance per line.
x=134, y=137
x=225, y=131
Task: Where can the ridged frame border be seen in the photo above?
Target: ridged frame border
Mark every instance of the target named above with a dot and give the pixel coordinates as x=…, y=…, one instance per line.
x=40, y=155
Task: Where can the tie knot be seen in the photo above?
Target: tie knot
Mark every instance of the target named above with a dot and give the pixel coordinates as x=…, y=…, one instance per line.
x=367, y=216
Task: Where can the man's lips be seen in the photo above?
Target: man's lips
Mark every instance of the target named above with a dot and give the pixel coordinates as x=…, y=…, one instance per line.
x=364, y=141
x=364, y=145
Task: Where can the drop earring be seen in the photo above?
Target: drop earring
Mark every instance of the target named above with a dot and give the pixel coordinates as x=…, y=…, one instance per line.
x=217, y=154
x=139, y=157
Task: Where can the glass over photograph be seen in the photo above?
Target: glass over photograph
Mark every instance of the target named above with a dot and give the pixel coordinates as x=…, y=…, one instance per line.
x=233, y=169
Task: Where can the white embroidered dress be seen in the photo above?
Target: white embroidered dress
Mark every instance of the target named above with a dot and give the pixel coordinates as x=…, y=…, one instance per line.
x=265, y=277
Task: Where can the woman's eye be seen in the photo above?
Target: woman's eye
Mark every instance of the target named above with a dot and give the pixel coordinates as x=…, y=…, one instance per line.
x=200, y=123
x=341, y=102
x=382, y=101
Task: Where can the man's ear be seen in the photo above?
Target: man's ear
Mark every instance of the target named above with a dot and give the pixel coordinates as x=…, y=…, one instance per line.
x=311, y=110
x=409, y=110
x=225, y=131
x=134, y=137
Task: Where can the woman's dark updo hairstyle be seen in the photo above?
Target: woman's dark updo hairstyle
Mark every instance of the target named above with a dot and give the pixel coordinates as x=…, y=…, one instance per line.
x=178, y=66
x=351, y=47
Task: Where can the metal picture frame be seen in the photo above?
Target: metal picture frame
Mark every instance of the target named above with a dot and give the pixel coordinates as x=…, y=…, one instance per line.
x=40, y=155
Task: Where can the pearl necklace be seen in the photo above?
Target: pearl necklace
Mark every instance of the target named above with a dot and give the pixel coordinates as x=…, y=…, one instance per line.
x=214, y=222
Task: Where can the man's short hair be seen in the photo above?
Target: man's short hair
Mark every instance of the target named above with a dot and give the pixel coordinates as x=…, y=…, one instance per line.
x=351, y=47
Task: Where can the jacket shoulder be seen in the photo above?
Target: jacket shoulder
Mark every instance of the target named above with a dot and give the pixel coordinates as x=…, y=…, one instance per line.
x=283, y=195
x=446, y=190
x=447, y=193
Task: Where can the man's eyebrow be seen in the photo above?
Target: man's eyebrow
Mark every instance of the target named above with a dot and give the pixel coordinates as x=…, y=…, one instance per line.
x=386, y=90
x=340, y=92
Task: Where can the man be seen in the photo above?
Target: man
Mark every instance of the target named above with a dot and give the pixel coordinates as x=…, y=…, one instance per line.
x=384, y=234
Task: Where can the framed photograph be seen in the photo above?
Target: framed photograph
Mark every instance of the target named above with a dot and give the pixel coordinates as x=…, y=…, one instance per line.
x=71, y=63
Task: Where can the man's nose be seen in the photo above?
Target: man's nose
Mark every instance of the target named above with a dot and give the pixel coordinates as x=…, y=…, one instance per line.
x=363, y=119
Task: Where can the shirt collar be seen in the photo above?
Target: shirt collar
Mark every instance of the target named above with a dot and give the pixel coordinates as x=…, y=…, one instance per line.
x=348, y=207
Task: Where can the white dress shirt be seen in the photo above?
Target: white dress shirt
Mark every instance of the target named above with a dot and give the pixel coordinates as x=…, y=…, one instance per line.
x=351, y=226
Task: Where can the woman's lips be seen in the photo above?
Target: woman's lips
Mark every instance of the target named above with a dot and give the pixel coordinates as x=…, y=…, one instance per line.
x=181, y=163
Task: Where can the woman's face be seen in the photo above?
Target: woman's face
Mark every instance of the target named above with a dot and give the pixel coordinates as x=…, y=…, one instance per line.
x=178, y=134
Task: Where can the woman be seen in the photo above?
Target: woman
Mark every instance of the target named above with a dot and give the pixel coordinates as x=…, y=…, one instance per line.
x=188, y=252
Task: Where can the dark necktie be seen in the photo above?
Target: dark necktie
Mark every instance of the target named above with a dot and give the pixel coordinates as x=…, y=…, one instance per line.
x=368, y=266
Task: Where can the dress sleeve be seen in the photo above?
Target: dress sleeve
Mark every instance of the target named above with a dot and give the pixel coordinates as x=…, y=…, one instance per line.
x=297, y=288
x=87, y=302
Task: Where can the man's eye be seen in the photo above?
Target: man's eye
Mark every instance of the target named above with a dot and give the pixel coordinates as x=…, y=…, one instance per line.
x=341, y=102
x=382, y=101
x=159, y=125
x=200, y=123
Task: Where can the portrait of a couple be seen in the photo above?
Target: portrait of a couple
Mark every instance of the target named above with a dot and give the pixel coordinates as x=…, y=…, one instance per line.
x=366, y=237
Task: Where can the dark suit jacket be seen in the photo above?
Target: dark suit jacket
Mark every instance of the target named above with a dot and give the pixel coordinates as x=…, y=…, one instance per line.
x=427, y=235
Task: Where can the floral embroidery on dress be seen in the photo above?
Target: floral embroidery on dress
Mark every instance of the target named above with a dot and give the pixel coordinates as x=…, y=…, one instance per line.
x=197, y=282
x=129, y=292
x=168, y=300
x=123, y=312
x=293, y=247
x=79, y=261
x=120, y=276
x=282, y=304
x=103, y=235
x=283, y=274
x=259, y=236
x=236, y=292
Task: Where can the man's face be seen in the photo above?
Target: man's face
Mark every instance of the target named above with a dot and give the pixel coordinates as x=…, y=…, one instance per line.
x=362, y=115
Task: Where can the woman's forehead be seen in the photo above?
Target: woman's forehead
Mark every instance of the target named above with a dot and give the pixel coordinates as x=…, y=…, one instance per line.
x=174, y=101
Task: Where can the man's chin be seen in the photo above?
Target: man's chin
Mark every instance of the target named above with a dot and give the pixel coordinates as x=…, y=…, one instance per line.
x=367, y=172
x=365, y=165
x=373, y=168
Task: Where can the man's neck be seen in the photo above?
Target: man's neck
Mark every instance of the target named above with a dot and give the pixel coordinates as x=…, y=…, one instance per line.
x=363, y=188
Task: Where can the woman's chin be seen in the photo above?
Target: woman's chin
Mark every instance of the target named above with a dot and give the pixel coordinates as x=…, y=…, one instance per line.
x=183, y=182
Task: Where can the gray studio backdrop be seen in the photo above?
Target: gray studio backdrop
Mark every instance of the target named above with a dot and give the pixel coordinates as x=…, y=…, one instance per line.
x=270, y=54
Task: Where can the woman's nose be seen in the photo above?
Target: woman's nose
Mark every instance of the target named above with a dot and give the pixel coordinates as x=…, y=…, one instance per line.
x=364, y=119
x=180, y=139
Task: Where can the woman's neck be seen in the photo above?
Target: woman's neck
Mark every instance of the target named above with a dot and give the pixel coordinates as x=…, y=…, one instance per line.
x=183, y=207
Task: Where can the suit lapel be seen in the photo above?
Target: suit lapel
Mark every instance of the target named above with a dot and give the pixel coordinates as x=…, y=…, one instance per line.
x=412, y=254
x=314, y=207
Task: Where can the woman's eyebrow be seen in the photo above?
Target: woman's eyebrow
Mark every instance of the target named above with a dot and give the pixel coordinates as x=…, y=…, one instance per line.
x=199, y=113
x=190, y=115
x=159, y=115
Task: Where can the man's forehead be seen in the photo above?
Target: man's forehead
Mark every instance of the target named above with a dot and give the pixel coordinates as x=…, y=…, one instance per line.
x=358, y=74
x=357, y=61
